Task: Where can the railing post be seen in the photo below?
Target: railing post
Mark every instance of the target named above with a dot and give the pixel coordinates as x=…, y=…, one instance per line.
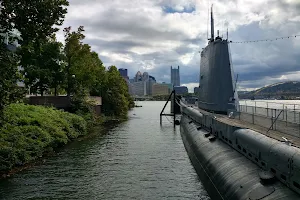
x=255, y=106
x=286, y=116
x=276, y=119
x=267, y=112
x=272, y=119
x=294, y=113
x=174, y=102
x=252, y=115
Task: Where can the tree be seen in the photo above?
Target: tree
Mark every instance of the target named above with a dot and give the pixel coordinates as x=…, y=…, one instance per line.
x=9, y=91
x=115, y=101
x=55, y=57
x=73, y=46
x=34, y=19
x=43, y=68
x=83, y=67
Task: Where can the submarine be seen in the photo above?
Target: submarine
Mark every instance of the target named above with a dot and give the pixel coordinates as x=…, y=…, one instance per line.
x=232, y=160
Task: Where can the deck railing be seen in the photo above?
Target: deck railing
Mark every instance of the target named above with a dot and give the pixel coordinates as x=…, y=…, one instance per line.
x=271, y=104
x=283, y=120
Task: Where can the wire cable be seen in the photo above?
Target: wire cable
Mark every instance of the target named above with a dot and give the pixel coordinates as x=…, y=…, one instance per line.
x=266, y=40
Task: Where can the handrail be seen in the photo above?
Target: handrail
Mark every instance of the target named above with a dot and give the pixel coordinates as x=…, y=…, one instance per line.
x=290, y=106
x=274, y=121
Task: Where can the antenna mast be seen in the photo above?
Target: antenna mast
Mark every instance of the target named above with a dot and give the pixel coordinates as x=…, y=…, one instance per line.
x=227, y=33
x=212, y=24
x=207, y=23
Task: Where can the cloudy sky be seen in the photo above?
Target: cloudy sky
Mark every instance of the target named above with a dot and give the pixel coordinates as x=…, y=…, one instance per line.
x=152, y=35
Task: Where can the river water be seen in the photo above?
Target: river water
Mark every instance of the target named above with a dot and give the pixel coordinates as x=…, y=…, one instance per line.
x=138, y=159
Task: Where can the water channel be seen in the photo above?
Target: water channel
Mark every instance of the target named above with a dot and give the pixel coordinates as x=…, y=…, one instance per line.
x=138, y=159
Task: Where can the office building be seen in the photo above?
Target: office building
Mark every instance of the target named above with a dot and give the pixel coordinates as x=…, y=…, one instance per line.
x=138, y=77
x=150, y=83
x=12, y=46
x=196, y=90
x=124, y=73
x=142, y=84
x=181, y=90
x=161, y=89
x=175, y=76
x=139, y=88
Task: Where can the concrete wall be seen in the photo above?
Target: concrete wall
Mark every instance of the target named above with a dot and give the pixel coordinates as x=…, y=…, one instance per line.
x=63, y=102
x=60, y=102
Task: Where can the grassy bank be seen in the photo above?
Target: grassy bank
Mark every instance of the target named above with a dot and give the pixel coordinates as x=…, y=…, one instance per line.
x=28, y=132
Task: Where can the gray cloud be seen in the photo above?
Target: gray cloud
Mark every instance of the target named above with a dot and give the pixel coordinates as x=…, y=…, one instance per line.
x=140, y=35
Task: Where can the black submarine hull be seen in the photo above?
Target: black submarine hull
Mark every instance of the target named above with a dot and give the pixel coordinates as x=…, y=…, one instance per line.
x=225, y=172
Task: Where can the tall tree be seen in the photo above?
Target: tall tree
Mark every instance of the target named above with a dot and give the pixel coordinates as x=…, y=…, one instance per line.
x=83, y=67
x=73, y=46
x=43, y=67
x=34, y=19
x=115, y=101
x=9, y=75
x=56, y=63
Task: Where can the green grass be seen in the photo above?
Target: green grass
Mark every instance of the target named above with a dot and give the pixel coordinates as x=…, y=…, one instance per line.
x=27, y=132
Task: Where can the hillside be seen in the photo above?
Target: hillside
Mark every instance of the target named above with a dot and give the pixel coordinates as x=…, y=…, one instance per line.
x=282, y=90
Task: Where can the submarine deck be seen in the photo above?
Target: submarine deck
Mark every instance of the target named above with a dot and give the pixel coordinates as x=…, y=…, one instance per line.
x=243, y=124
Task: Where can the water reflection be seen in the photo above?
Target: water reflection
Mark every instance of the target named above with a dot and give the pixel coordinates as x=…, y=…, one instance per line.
x=139, y=159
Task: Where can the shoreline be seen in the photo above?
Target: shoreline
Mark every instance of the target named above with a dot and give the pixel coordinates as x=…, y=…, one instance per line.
x=94, y=131
x=29, y=133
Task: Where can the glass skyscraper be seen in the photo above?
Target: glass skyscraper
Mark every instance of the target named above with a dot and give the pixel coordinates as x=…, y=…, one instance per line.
x=175, y=77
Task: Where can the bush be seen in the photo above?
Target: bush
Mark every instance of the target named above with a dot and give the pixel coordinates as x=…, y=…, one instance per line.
x=83, y=107
x=27, y=131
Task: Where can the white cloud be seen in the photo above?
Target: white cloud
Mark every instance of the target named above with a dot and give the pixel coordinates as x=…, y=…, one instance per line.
x=191, y=86
x=141, y=35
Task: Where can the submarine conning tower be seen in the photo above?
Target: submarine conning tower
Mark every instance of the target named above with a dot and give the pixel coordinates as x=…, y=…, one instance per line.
x=217, y=91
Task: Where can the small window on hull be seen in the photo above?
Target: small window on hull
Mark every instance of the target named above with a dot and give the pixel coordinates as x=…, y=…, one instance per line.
x=273, y=171
x=296, y=185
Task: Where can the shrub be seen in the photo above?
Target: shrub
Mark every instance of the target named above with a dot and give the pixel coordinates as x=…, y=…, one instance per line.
x=27, y=131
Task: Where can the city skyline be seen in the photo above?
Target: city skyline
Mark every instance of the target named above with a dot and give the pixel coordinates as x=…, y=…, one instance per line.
x=172, y=32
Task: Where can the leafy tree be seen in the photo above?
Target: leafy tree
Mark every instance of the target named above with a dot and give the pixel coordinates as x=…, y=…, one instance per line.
x=115, y=101
x=84, y=70
x=34, y=19
x=56, y=64
x=43, y=67
x=73, y=46
x=9, y=91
